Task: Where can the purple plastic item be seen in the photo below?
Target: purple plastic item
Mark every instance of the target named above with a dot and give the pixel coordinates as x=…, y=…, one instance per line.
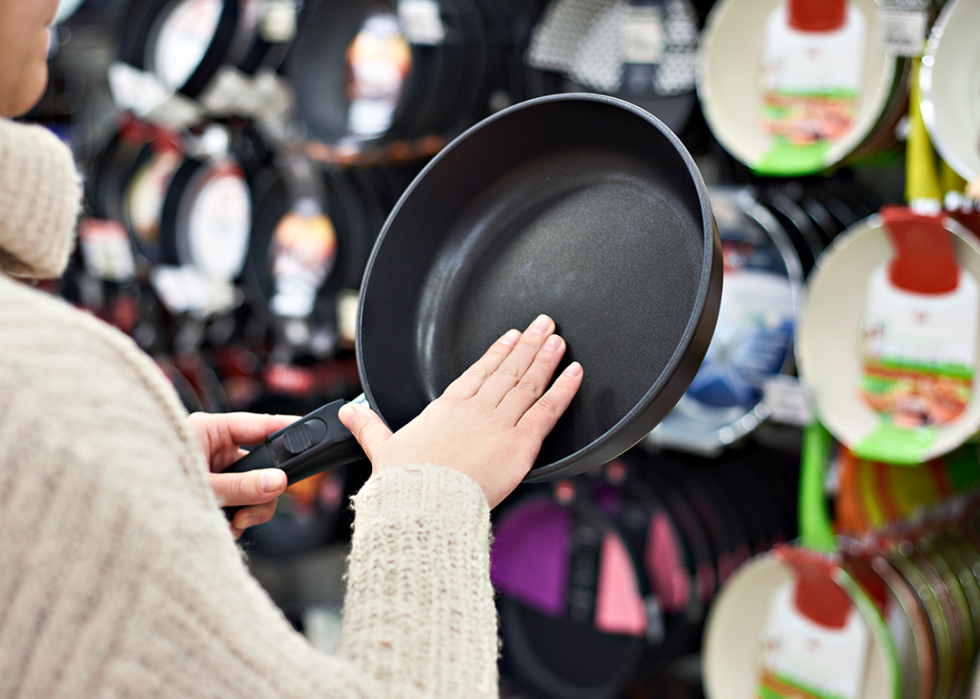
x=531, y=553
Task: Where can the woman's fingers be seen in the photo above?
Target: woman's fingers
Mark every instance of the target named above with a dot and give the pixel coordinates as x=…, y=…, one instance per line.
x=535, y=380
x=513, y=368
x=252, y=516
x=368, y=429
x=541, y=417
x=248, y=488
x=472, y=379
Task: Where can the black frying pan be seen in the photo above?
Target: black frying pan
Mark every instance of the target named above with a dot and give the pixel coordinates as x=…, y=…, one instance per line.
x=583, y=207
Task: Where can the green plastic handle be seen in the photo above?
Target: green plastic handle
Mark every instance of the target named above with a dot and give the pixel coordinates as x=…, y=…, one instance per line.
x=816, y=529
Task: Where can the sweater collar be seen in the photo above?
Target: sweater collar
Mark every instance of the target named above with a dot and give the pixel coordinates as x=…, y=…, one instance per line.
x=40, y=197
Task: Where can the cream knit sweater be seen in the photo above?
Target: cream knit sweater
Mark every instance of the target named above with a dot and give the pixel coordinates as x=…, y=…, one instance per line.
x=118, y=574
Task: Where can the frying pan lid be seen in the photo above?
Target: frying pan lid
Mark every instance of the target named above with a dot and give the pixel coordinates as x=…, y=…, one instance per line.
x=581, y=206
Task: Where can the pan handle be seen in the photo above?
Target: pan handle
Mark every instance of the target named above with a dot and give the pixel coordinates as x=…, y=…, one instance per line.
x=313, y=444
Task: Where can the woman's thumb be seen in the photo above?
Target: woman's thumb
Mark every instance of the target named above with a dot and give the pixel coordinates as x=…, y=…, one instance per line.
x=368, y=429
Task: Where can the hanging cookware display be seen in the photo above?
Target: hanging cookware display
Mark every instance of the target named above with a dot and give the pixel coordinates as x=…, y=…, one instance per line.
x=640, y=51
x=753, y=338
x=470, y=251
x=887, y=337
x=765, y=623
x=184, y=43
x=145, y=193
x=792, y=87
x=310, y=239
x=948, y=83
x=375, y=71
x=573, y=620
x=206, y=218
x=794, y=622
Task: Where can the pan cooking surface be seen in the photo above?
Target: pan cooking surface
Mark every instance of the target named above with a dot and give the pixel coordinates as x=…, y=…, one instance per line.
x=576, y=208
x=575, y=235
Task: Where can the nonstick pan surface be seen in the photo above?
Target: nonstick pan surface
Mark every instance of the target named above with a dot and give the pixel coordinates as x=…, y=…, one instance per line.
x=583, y=207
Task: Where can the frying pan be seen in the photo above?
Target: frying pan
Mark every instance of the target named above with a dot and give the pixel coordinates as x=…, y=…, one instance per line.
x=730, y=64
x=567, y=652
x=319, y=68
x=905, y=619
x=584, y=207
x=731, y=651
x=827, y=335
x=667, y=559
x=146, y=23
x=753, y=339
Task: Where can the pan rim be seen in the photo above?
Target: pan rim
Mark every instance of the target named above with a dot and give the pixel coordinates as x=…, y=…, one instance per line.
x=628, y=430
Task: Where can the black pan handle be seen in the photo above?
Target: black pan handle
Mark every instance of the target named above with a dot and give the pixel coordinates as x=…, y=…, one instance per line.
x=313, y=444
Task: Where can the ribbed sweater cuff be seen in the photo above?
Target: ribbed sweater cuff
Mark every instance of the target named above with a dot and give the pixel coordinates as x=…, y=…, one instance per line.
x=419, y=603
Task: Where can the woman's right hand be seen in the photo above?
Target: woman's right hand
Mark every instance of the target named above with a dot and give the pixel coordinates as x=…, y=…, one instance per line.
x=490, y=422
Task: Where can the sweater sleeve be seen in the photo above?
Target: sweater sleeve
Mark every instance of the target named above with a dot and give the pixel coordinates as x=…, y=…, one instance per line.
x=420, y=558
x=119, y=576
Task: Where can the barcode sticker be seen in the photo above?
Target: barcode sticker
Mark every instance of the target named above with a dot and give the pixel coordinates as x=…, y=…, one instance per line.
x=643, y=35
x=902, y=32
x=106, y=249
x=788, y=401
x=422, y=22
x=278, y=24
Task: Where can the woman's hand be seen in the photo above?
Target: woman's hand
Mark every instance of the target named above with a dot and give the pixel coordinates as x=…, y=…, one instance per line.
x=221, y=437
x=490, y=422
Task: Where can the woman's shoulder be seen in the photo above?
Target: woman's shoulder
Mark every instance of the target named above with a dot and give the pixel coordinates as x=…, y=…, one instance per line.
x=61, y=355
x=79, y=385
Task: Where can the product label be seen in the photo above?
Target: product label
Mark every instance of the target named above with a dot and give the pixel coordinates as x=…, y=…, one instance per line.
x=219, y=224
x=811, y=82
x=918, y=355
x=800, y=659
x=378, y=62
x=183, y=39
x=753, y=333
x=304, y=247
x=106, y=249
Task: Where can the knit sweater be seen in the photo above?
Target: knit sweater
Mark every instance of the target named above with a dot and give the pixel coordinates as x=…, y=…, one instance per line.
x=119, y=576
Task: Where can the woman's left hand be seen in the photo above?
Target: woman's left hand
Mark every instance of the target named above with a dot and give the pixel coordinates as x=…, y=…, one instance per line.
x=221, y=437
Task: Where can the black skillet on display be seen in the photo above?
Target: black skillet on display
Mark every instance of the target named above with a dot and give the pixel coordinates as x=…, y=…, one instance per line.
x=583, y=207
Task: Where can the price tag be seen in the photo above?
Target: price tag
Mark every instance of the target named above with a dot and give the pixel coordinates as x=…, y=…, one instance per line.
x=421, y=21
x=265, y=96
x=106, y=249
x=902, y=32
x=146, y=96
x=788, y=401
x=643, y=34
x=278, y=25
x=188, y=290
x=347, y=305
